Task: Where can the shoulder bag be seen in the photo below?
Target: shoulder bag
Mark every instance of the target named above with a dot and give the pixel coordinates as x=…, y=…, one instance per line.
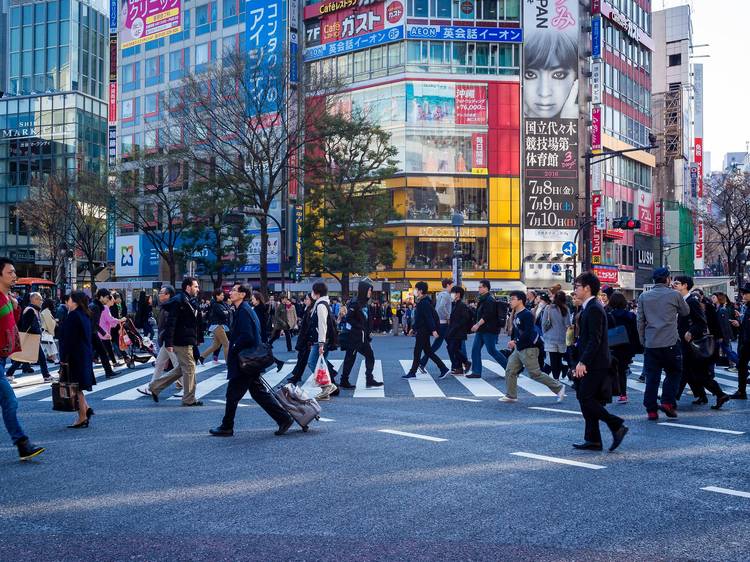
x=703, y=348
x=618, y=336
x=29, y=347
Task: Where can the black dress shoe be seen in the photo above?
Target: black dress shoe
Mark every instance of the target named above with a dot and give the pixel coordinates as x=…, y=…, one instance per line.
x=739, y=396
x=720, y=401
x=89, y=413
x=701, y=400
x=374, y=384
x=279, y=365
x=283, y=428
x=588, y=446
x=347, y=385
x=221, y=432
x=617, y=437
x=196, y=403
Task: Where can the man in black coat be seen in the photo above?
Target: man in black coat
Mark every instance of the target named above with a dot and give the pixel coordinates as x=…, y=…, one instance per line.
x=695, y=371
x=459, y=325
x=594, y=367
x=360, y=325
x=425, y=324
x=183, y=331
x=743, y=344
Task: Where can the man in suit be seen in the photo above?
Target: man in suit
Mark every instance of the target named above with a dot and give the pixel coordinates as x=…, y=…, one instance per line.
x=245, y=334
x=594, y=369
x=695, y=371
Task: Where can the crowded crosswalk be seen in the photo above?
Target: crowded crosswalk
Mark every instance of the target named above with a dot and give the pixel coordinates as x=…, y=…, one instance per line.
x=212, y=383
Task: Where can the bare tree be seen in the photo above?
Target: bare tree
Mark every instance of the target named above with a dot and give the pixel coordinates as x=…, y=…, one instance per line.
x=47, y=225
x=343, y=233
x=240, y=125
x=151, y=196
x=727, y=217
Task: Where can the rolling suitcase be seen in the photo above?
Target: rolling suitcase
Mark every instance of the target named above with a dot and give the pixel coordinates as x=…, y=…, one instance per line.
x=299, y=405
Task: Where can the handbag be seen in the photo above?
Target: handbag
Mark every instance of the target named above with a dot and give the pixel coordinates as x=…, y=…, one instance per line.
x=64, y=393
x=322, y=376
x=703, y=348
x=570, y=336
x=29, y=348
x=618, y=336
x=255, y=360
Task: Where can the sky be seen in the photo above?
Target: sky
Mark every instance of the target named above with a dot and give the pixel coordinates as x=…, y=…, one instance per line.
x=726, y=90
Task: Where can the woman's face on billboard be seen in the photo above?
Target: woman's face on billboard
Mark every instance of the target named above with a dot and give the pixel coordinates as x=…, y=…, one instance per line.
x=546, y=91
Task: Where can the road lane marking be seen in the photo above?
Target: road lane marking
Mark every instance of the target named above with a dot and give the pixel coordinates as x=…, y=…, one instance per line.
x=559, y=460
x=726, y=491
x=133, y=394
x=701, y=428
x=479, y=387
x=377, y=373
x=422, y=386
x=462, y=399
x=118, y=380
x=274, y=377
x=414, y=435
x=555, y=410
x=327, y=419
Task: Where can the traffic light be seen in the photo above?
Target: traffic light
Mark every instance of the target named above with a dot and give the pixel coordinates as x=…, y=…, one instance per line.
x=568, y=275
x=626, y=223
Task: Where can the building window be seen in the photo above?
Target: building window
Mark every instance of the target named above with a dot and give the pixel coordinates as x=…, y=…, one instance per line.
x=155, y=70
x=232, y=11
x=675, y=60
x=205, y=18
x=432, y=254
x=131, y=76
x=15, y=224
x=179, y=63
x=439, y=203
x=185, y=33
x=204, y=54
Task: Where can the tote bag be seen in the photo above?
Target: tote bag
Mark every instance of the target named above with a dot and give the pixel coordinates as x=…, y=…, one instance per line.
x=29, y=348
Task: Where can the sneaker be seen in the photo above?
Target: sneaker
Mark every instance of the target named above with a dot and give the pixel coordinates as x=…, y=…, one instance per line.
x=622, y=399
x=422, y=370
x=653, y=416
x=561, y=395
x=669, y=410
x=507, y=399
x=444, y=374
x=731, y=369
x=642, y=379
x=473, y=376
x=409, y=376
x=457, y=372
x=326, y=392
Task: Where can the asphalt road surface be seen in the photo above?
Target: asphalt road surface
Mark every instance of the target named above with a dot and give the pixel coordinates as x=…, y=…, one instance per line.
x=424, y=470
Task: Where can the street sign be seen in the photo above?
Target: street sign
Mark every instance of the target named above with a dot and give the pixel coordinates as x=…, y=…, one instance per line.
x=556, y=268
x=569, y=249
x=601, y=219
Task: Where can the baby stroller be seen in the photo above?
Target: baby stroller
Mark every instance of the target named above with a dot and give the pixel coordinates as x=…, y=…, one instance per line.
x=134, y=347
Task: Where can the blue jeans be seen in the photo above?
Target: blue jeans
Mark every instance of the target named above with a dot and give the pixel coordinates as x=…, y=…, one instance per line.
x=731, y=354
x=312, y=361
x=10, y=406
x=654, y=360
x=488, y=340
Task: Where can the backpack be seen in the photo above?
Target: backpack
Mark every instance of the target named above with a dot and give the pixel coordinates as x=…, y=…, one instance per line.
x=332, y=335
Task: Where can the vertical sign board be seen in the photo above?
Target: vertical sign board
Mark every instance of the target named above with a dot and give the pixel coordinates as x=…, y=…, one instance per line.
x=112, y=146
x=596, y=37
x=550, y=130
x=113, y=16
x=596, y=128
x=597, y=76
x=698, y=258
x=299, y=212
x=596, y=234
x=265, y=33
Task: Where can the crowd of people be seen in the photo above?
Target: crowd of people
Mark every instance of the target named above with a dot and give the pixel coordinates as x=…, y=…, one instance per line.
x=589, y=337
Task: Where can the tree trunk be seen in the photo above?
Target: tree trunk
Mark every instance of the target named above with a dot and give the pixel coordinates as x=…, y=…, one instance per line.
x=172, y=265
x=263, y=254
x=345, y=286
x=92, y=275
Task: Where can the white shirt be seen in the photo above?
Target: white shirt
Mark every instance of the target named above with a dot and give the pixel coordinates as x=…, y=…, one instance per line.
x=586, y=302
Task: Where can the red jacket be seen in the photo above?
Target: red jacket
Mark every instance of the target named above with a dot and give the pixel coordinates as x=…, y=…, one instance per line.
x=10, y=341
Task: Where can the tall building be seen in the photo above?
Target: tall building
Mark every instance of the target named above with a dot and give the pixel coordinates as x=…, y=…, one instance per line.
x=679, y=183
x=53, y=114
x=443, y=77
x=621, y=108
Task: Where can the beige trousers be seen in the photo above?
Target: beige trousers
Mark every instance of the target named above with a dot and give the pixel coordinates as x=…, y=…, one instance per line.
x=528, y=358
x=220, y=339
x=185, y=368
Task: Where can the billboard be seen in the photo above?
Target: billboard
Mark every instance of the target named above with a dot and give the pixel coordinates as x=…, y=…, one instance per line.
x=145, y=20
x=354, y=22
x=135, y=256
x=265, y=32
x=550, y=111
x=698, y=258
x=382, y=37
x=463, y=33
x=253, y=252
x=442, y=103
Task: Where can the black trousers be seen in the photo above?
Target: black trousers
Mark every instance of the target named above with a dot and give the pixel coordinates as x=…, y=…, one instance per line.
x=556, y=363
x=455, y=352
x=365, y=349
x=742, y=365
x=423, y=345
x=698, y=373
x=101, y=351
x=237, y=388
x=277, y=334
x=590, y=392
x=624, y=359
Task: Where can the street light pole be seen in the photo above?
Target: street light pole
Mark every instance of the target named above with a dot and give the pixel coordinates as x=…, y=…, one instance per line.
x=457, y=221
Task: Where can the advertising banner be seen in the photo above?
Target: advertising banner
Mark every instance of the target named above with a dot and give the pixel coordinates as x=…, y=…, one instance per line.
x=596, y=128
x=146, y=20
x=699, y=162
x=597, y=77
x=479, y=153
x=607, y=274
x=135, y=256
x=550, y=111
x=113, y=58
x=113, y=102
x=446, y=103
x=698, y=258
x=471, y=104
x=596, y=37
x=113, y=16
x=111, y=225
x=353, y=22
x=112, y=146
x=646, y=259
x=299, y=214
x=596, y=233
x=265, y=33
x=462, y=33
x=253, y=252
x=365, y=41
x=646, y=212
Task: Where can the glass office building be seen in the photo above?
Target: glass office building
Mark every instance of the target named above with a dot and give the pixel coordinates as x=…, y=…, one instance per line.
x=53, y=114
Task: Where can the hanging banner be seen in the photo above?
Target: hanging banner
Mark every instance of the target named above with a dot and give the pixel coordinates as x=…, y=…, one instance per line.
x=479, y=153
x=698, y=258
x=471, y=104
x=596, y=128
x=596, y=234
x=113, y=102
x=147, y=20
x=357, y=21
x=550, y=111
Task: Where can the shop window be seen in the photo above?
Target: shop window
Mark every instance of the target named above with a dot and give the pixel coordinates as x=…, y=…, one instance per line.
x=434, y=255
x=439, y=203
x=439, y=153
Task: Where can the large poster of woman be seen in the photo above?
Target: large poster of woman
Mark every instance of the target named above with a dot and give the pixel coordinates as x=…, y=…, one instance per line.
x=550, y=111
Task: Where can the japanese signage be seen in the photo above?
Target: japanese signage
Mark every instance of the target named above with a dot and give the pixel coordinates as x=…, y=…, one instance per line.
x=113, y=102
x=113, y=16
x=596, y=233
x=273, y=252
x=479, y=153
x=550, y=110
x=113, y=58
x=353, y=22
x=607, y=274
x=442, y=103
x=462, y=33
x=471, y=104
x=355, y=44
x=146, y=20
x=646, y=213
x=111, y=223
x=699, y=163
x=596, y=128
x=698, y=258
x=265, y=32
x=112, y=145
x=596, y=37
x=299, y=214
x=608, y=11
x=597, y=76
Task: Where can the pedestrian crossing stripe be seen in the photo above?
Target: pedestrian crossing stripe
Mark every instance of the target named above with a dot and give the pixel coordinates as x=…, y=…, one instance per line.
x=422, y=386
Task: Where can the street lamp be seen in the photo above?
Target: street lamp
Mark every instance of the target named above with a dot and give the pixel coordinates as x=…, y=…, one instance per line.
x=457, y=221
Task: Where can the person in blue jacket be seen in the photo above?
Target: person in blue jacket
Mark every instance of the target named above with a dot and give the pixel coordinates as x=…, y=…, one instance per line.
x=245, y=334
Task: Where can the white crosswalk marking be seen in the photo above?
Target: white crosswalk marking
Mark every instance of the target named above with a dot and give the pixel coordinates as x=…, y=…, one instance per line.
x=377, y=373
x=531, y=386
x=274, y=377
x=26, y=391
x=479, y=387
x=133, y=394
x=423, y=386
x=207, y=386
x=109, y=383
